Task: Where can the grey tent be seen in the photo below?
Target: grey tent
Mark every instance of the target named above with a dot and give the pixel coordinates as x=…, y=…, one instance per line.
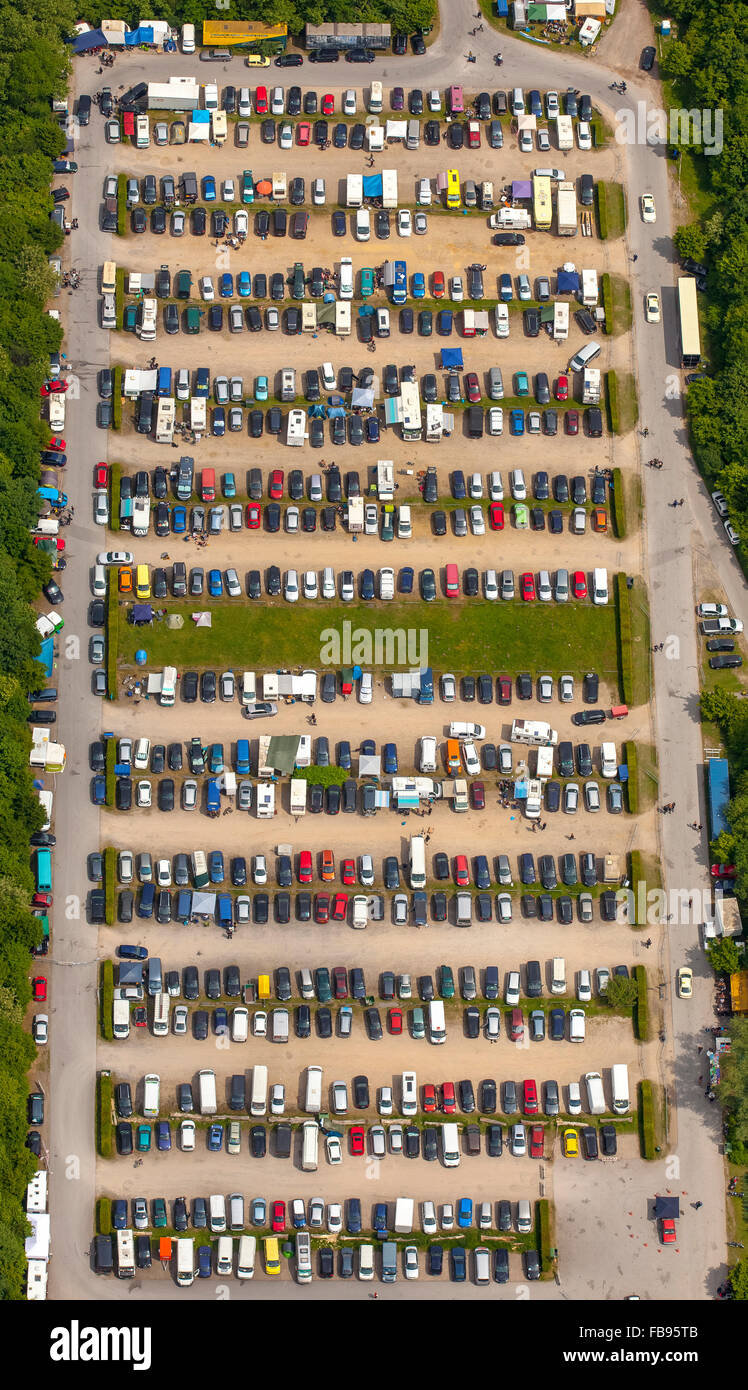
x=281, y=755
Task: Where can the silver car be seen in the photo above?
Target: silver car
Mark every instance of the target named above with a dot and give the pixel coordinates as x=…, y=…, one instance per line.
x=592, y=796
x=584, y=907
x=566, y=689
x=504, y=910
x=518, y=1140
x=507, y=584
x=545, y=688
x=400, y=909
x=179, y=1021
x=244, y=796
x=448, y=688
x=571, y=798
x=477, y=521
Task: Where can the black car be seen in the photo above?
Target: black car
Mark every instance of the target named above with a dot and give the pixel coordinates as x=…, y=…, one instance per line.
x=373, y=1024
x=198, y=221
x=467, y=686
x=324, y=1023
x=267, y=132
x=303, y=1021
x=489, y=757
x=361, y=1092
x=357, y=136
x=139, y=220
x=166, y=794
x=456, y=136
x=340, y=136
x=208, y=687
x=338, y=223
x=494, y=1141
x=590, y=686
x=123, y=1135
x=257, y=1141
x=435, y=1259
x=608, y=1140
x=466, y=1096
x=648, y=55
x=326, y=1265
x=429, y=1144
x=123, y=794
x=431, y=133
x=488, y=1097
x=589, y=1141
x=524, y=686
x=472, y=1025
x=412, y=1141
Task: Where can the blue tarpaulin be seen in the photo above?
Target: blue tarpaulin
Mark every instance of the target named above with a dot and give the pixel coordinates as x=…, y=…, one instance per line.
x=94, y=38
x=568, y=282
x=451, y=357
x=46, y=655
x=200, y=117
x=372, y=185
x=718, y=781
x=502, y=8
x=141, y=35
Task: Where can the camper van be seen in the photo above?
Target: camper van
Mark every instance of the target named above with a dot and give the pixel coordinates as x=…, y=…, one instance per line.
x=313, y=1097
x=309, y=1146
x=417, y=862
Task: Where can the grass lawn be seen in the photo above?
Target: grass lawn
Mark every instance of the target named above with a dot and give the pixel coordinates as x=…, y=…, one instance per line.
x=622, y=313
x=628, y=404
x=648, y=782
x=641, y=641
x=461, y=637
x=615, y=207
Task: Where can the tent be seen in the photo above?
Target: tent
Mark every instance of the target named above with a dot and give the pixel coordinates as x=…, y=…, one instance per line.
x=567, y=282
x=202, y=619
x=281, y=754
x=372, y=185
x=94, y=38
x=141, y=613
x=175, y=621
x=369, y=765
x=521, y=188
x=203, y=904
x=451, y=357
x=362, y=398
x=667, y=1207
x=130, y=972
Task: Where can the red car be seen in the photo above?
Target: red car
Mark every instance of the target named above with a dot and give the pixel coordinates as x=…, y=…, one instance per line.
x=54, y=387
x=429, y=1098
x=472, y=387
x=478, y=792
x=527, y=587
x=529, y=1098
x=38, y=989
x=505, y=690
x=437, y=284
x=358, y=1139
x=395, y=1020
x=496, y=516
x=305, y=866
x=462, y=875
x=340, y=982
x=41, y=900
x=321, y=907
x=579, y=584
x=303, y=133
x=667, y=1230
x=339, y=907
x=348, y=872
x=254, y=515
x=328, y=104
x=717, y=871
x=536, y=1141
x=278, y=1213
x=562, y=388
x=473, y=134
x=261, y=101
x=57, y=444
x=571, y=422
x=140, y=1017
x=101, y=476
x=449, y=1101
x=276, y=484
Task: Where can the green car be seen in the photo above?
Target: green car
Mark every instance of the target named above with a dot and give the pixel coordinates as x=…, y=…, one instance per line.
x=447, y=982
x=130, y=318
x=229, y=485
x=261, y=388
x=523, y=385
x=143, y=1139
x=367, y=282
x=159, y=1213
x=521, y=516
x=388, y=522
x=248, y=187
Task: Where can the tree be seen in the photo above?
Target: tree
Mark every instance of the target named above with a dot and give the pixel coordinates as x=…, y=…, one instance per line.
x=724, y=956
x=738, y=1280
x=621, y=993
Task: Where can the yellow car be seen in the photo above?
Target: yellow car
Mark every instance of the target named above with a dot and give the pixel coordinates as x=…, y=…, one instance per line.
x=684, y=982
x=649, y=211
x=256, y=60
x=570, y=1143
x=652, y=308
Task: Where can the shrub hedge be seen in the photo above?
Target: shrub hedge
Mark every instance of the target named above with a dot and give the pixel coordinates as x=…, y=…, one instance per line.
x=121, y=204
x=625, y=638
x=611, y=402
x=646, y=1120
x=110, y=880
x=619, y=505
x=107, y=1000
x=543, y=1231
x=602, y=210
x=117, y=399
x=115, y=473
x=606, y=291
x=323, y=776
x=112, y=641
x=104, y=1114
x=641, y=1008
x=631, y=758
x=104, y=1216
x=119, y=295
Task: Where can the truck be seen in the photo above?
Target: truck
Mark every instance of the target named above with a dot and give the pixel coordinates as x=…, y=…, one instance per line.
x=354, y=190
x=590, y=290
x=207, y=1092
x=510, y=220
x=564, y=133
x=566, y=209
x=280, y=186
x=385, y=480
x=185, y=1261
x=360, y=911
x=298, y=796
x=389, y=188
x=266, y=802
x=404, y=1215
x=591, y=385
x=141, y=516
x=560, y=321
x=121, y=1018
x=125, y=1255
x=355, y=515
x=533, y=731
x=165, y=420
x=455, y=789
x=544, y=762
x=178, y=94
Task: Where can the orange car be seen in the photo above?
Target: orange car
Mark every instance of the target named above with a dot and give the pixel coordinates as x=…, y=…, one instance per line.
x=124, y=579
x=327, y=871
x=599, y=519
x=437, y=284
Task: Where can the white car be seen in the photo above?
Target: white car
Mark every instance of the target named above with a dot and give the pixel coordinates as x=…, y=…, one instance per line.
x=285, y=136
x=319, y=195
x=649, y=211
x=363, y=224
x=115, y=557
x=518, y=485
x=551, y=105
x=495, y=485
x=457, y=289
x=189, y=795
x=241, y=222
x=229, y=191
x=493, y=1017
x=316, y=1212
x=428, y=1218
x=495, y=424
x=410, y=1261
x=163, y=872
x=395, y=1133
x=365, y=688
x=545, y=592
x=404, y=222
x=242, y=910
x=511, y=990
x=584, y=986
x=378, y=1141
x=434, y=100
x=334, y=1149
x=712, y=610
x=501, y=319
x=544, y=141
x=371, y=519
x=652, y=307
x=143, y=794
x=340, y=1097
x=334, y=1218
x=470, y=759
x=298, y=1212
x=347, y=587
x=179, y=1021
x=584, y=135
x=525, y=142
x=125, y=866
x=384, y=1103
x=311, y=587
x=504, y=913
x=227, y=686
x=260, y=1024
x=100, y=508
x=731, y=533
x=328, y=376
x=277, y=1098
x=448, y=687
x=291, y=587
x=566, y=689
x=578, y=524
x=277, y=103
x=187, y=1136
x=206, y=288
x=485, y=1220
x=477, y=521
x=40, y=1029
x=447, y=1216
x=571, y=798
x=292, y=520
x=491, y=585
x=259, y=870
x=349, y=102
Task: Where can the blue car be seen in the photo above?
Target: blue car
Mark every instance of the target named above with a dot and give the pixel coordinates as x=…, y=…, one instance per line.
x=244, y=284
x=444, y=323
x=390, y=758
x=458, y=1263
x=556, y=1025
x=98, y=791
x=419, y=285
x=119, y=1214
x=372, y=429
x=505, y=288
x=209, y=188
x=215, y=866
x=220, y=1020
x=465, y=1212
x=516, y=422
x=163, y=1136
x=215, y=578
x=215, y=758
x=229, y=485
x=179, y=520
x=215, y=1139
x=380, y=1220
x=226, y=285
x=405, y=580
x=219, y=420
x=522, y=383
x=204, y=1270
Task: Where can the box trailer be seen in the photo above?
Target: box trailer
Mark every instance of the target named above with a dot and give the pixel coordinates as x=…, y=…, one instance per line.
x=298, y=787
x=309, y=318
x=590, y=290
x=165, y=420
x=385, y=480
x=218, y=127
x=591, y=385
x=360, y=918
x=355, y=514
x=544, y=762
x=296, y=431
x=141, y=516
x=389, y=188
x=198, y=414
x=566, y=209
x=533, y=798
x=560, y=322
x=533, y=731
x=564, y=133
x=354, y=190
x=178, y=94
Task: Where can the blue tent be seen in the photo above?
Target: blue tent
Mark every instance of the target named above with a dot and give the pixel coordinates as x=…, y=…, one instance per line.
x=372, y=185
x=94, y=38
x=451, y=357
x=46, y=655
x=141, y=35
x=568, y=282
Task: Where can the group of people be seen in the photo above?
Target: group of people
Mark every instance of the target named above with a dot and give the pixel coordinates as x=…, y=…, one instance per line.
x=668, y=807
x=71, y=280
x=654, y=463
x=618, y=87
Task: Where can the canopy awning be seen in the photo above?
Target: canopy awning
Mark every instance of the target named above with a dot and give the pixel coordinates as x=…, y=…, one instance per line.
x=668, y=1207
x=95, y=38
x=451, y=357
x=281, y=754
x=372, y=185
x=369, y=765
x=521, y=188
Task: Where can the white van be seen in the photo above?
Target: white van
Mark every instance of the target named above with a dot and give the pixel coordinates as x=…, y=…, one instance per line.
x=248, y=688
x=151, y=1096
x=599, y=586
x=451, y=1145
x=161, y=1015
x=98, y=586
x=417, y=871
x=313, y=1097
x=437, y=1022
x=595, y=1093
x=141, y=754
x=582, y=359
x=363, y=225
x=239, y=1024
x=428, y=754
x=309, y=1146
x=366, y=1261
x=518, y=102
x=224, y=1254
x=524, y=1216
x=577, y=1025
x=346, y=278
x=424, y=192
x=482, y=1265
x=236, y=1212
x=279, y=1025
x=608, y=760
x=217, y=1212
x=558, y=975
x=259, y=1102
x=328, y=582
x=303, y=1257
x=188, y=38
x=619, y=1080
x=409, y=1102
x=404, y=526
x=306, y=984
x=245, y=1260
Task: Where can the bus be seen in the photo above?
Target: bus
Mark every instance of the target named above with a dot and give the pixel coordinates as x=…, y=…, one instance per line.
x=453, y=188
x=542, y=206
x=688, y=316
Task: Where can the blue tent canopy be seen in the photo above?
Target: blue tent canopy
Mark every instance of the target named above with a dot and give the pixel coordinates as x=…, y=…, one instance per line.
x=568, y=282
x=93, y=38
x=46, y=655
x=451, y=357
x=143, y=34
x=372, y=185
